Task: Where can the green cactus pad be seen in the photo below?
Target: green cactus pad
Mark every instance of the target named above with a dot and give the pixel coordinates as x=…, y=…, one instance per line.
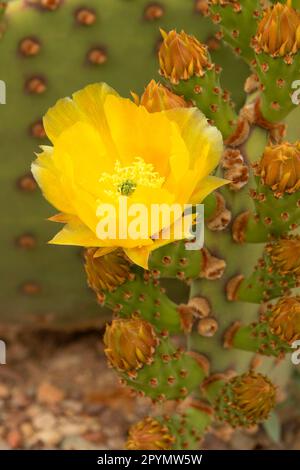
x=143, y=296
x=277, y=77
x=206, y=93
x=238, y=24
x=188, y=428
x=173, y=375
x=80, y=42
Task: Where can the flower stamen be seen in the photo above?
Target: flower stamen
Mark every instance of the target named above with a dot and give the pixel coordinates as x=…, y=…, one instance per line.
x=125, y=179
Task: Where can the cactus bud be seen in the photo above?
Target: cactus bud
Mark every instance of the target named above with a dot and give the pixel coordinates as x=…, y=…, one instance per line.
x=284, y=320
x=182, y=56
x=157, y=97
x=186, y=63
x=279, y=167
x=278, y=32
x=246, y=399
x=285, y=255
x=149, y=434
x=107, y=272
x=130, y=344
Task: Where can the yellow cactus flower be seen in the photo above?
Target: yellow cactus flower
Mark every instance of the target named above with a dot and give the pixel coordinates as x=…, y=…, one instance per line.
x=107, y=150
x=278, y=32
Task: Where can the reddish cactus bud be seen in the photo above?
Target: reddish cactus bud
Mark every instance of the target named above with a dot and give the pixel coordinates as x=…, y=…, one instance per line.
x=149, y=434
x=279, y=167
x=285, y=255
x=130, y=344
x=157, y=97
x=182, y=56
x=107, y=272
x=278, y=32
x=284, y=320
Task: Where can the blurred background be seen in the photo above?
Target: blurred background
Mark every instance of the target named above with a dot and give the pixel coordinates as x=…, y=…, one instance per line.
x=56, y=390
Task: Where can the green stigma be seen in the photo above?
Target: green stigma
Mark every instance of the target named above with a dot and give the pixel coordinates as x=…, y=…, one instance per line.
x=127, y=187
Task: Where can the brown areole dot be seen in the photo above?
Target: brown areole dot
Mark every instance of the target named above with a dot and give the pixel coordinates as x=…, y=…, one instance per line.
x=97, y=56
x=29, y=47
x=37, y=130
x=201, y=6
x=85, y=16
x=153, y=11
x=30, y=288
x=35, y=85
x=26, y=241
x=50, y=5
x=213, y=43
x=27, y=183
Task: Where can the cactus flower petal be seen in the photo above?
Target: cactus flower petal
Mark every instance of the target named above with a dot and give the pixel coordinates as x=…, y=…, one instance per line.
x=109, y=150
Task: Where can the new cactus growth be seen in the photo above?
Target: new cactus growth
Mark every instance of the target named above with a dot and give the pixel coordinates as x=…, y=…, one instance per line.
x=238, y=24
x=222, y=354
x=276, y=44
x=187, y=64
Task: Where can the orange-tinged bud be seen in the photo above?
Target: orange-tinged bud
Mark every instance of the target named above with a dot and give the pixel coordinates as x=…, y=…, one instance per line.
x=278, y=32
x=284, y=320
x=279, y=167
x=246, y=399
x=254, y=395
x=285, y=255
x=182, y=56
x=130, y=344
x=107, y=272
x=149, y=434
x=157, y=97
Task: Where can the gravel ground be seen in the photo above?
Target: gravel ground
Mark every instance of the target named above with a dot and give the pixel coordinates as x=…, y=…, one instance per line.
x=56, y=392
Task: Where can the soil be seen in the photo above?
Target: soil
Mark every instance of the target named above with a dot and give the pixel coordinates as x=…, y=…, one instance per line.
x=56, y=392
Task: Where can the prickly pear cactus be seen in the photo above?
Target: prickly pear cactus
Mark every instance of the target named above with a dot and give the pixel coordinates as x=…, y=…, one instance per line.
x=223, y=354
x=48, y=49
